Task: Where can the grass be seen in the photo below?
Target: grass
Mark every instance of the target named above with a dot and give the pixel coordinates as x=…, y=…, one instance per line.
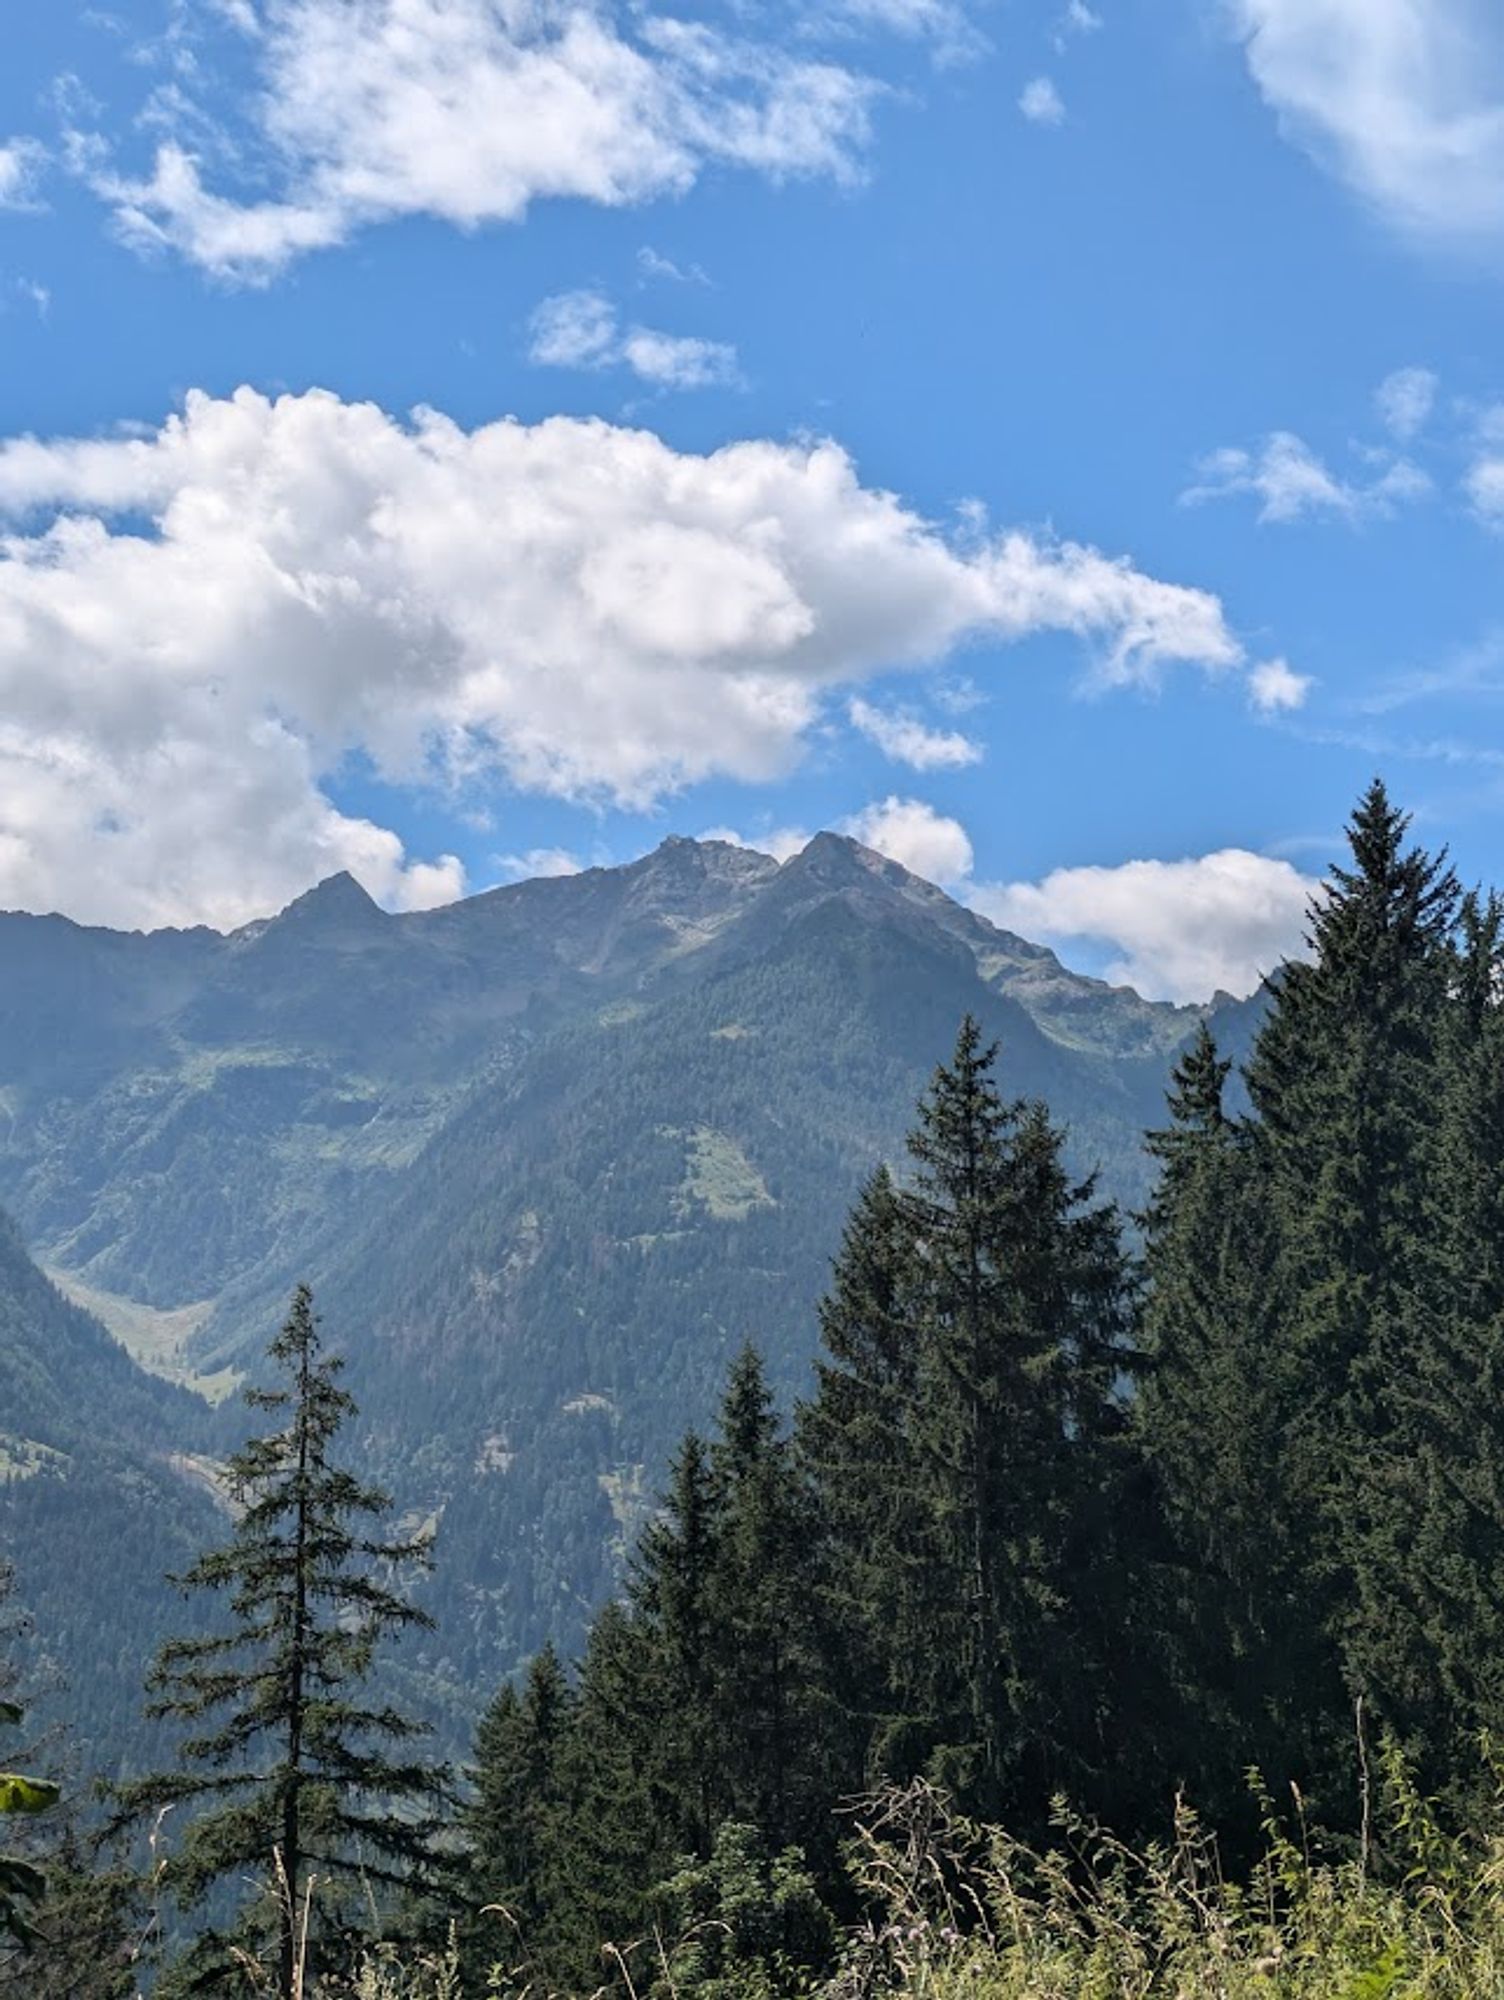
x=718, y=1173
x=155, y=1339
x=23, y=1458
x=966, y=1913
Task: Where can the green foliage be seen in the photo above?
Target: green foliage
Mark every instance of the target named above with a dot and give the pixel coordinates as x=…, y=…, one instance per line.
x=964, y=1447
x=745, y=1924
x=22, y=1883
x=290, y=1777
x=545, y=1196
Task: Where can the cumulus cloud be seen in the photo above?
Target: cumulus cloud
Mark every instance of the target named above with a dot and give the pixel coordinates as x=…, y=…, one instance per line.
x=1402, y=99
x=1291, y=483
x=471, y=110
x=1182, y=930
x=1274, y=687
x=901, y=736
x=1405, y=401
x=538, y=862
x=21, y=165
x=581, y=330
x=198, y=624
x=781, y=842
x=913, y=833
x=1041, y=102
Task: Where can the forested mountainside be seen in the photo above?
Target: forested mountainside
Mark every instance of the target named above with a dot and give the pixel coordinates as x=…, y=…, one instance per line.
x=104, y=1488
x=549, y=1157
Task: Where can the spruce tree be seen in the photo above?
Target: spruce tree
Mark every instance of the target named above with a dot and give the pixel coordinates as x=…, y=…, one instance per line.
x=671, y=1593
x=858, y=1458
x=1346, y=1078
x=289, y=1775
x=985, y=1328
x=514, y=1827
x=770, y=1721
x=1257, y=1679
x=1431, y=1584
x=612, y=1850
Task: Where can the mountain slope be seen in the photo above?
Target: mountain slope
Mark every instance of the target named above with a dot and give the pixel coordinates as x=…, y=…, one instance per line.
x=101, y=1493
x=549, y=1156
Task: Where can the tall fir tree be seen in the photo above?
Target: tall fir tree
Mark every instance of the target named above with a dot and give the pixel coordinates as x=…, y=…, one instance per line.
x=1346, y=1077
x=289, y=1777
x=983, y=1328
x=771, y=1721
x=514, y=1829
x=1431, y=1586
x=1257, y=1681
x=856, y=1449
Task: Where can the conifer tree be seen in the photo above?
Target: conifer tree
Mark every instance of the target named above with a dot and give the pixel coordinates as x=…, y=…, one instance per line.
x=1258, y=1679
x=612, y=1849
x=672, y=1597
x=515, y=1826
x=1346, y=1077
x=1431, y=1585
x=769, y=1712
x=989, y=1315
x=858, y=1457
x=288, y=1774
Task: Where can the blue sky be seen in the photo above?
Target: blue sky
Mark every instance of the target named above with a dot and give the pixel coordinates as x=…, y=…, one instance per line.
x=1063, y=445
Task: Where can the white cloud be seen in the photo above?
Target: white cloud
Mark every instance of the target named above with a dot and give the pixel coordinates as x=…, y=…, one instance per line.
x=1274, y=687
x=900, y=735
x=21, y=164
x=539, y=862
x=573, y=330
x=1291, y=483
x=1402, y=99
x=471, y=110
x=944, y=23
x=1078, y=19
x=653, y=264
x=781, y=842
x=199, y=624
x=1041, y=102
x=911, y=832
x=679, y=361
x=1182, y=929
x=420, y=885
x=1485, y=488
x=1405, y=401
x=580, y=330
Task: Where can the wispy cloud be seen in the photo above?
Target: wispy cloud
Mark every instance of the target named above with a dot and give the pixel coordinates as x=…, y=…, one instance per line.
x=1041, y=103
x=367, y=111
x=901, y=736
x=1405, y=401
x=1275, y=688
x=22, y=164
x=582, y=330
x=1292, y=483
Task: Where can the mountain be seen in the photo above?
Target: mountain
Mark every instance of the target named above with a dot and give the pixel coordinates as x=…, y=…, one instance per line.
x=549, y=1156
x=104, y=1487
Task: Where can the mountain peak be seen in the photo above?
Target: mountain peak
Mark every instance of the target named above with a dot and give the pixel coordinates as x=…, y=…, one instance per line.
x=337, y=900
x=836, y=858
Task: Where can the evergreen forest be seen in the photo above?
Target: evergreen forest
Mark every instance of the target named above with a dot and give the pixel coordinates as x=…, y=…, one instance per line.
x=1116, y=1608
